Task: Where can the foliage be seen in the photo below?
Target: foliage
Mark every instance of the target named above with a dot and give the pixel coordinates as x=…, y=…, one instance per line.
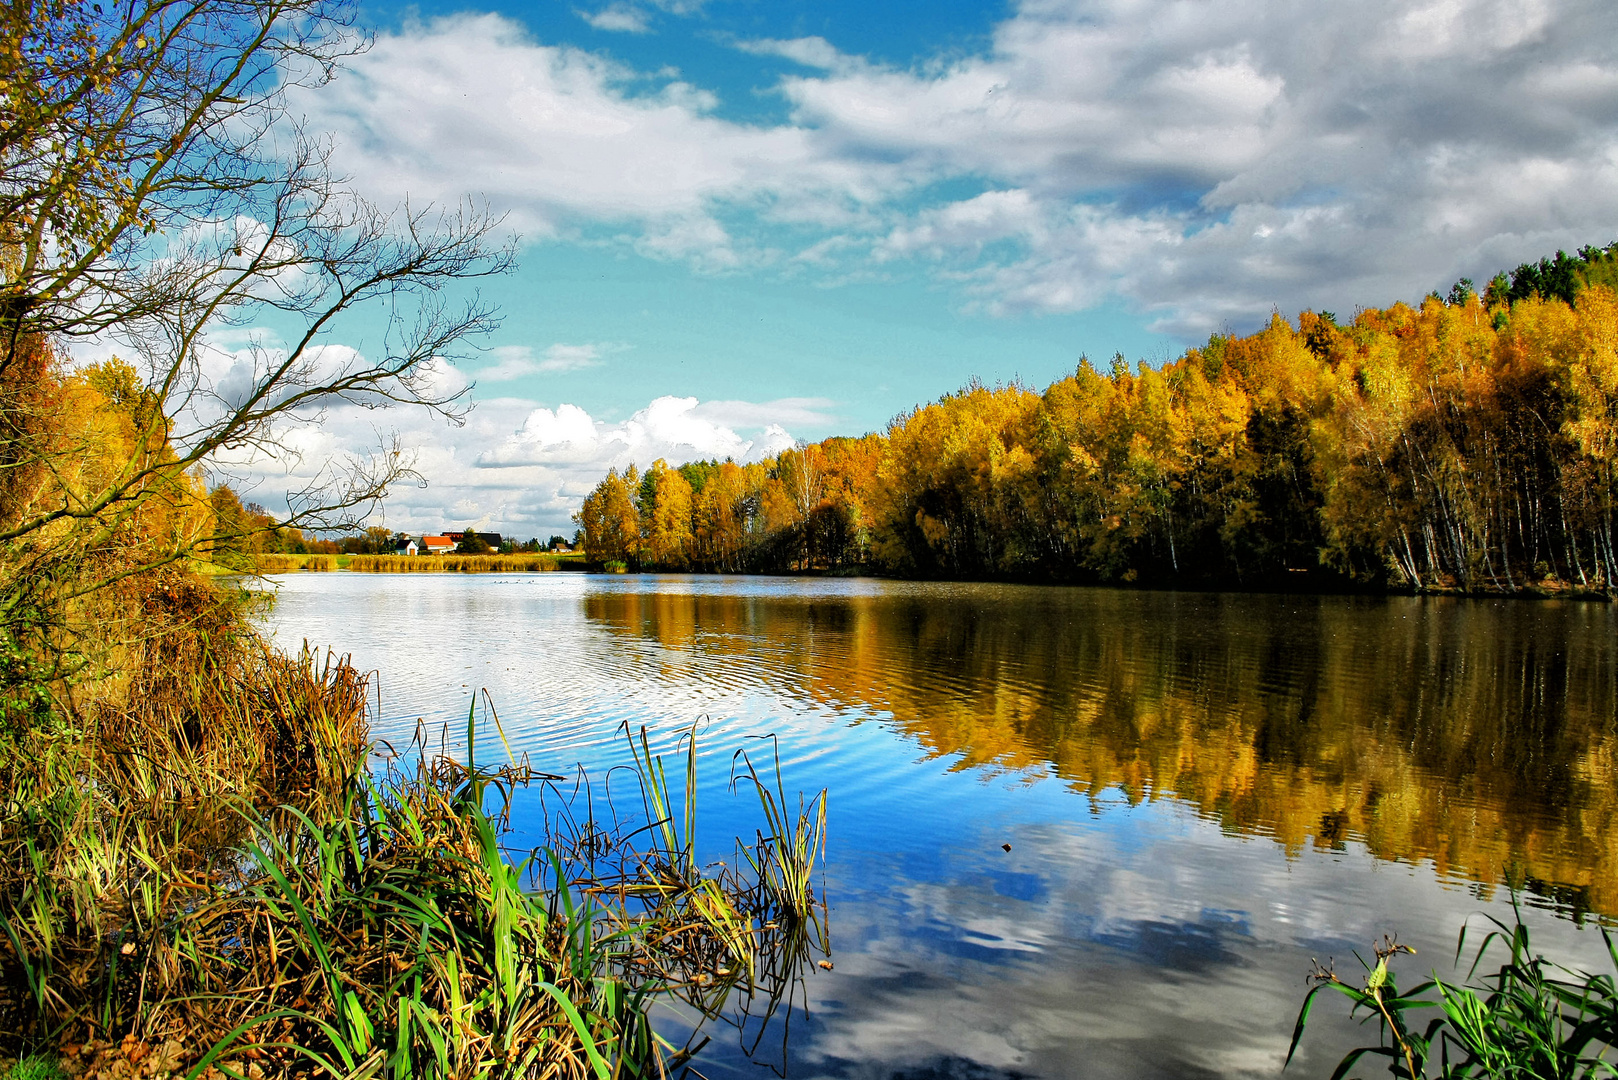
x=192, y=848
x=611, y=520
x=1528, y=1018
x=374, y=540
x=245, y=534
x=1465, y=446
x=1563, y=277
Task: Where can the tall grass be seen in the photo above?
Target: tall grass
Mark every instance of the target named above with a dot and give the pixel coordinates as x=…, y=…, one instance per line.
x=462, y=564
x=210, y=872
x=274, y=563
x=715, y=936
x=785, y=853
x=1529, y=1018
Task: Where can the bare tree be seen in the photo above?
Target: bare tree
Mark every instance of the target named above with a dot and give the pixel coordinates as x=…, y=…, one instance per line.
x=156, y=190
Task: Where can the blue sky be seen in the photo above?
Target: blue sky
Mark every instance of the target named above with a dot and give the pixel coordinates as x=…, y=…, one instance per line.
x=745, y=222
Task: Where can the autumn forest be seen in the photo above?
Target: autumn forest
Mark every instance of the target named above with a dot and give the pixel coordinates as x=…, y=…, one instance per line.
x=1463, y=444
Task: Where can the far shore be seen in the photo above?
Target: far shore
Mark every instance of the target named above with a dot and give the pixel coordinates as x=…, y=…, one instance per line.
x=576, y=562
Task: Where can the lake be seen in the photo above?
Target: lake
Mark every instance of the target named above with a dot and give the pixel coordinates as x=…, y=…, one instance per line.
x=1200, y=791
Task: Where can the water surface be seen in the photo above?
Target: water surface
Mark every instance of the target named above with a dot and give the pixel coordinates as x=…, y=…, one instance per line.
x=1200, y=791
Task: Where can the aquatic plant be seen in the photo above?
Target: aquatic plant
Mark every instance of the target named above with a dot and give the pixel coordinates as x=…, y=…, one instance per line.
x=215, y=873
x=1528, y=1018
x=784, y=858
x=711, y=935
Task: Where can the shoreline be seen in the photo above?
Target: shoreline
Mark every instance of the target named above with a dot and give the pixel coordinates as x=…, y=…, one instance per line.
x=1311, y=585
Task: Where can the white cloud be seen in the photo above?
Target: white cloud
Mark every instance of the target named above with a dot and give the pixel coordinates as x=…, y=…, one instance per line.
x=798, y=412
x=514, y=466
x=560, y=138
x=518, y=361
x=1205, y=162
x=1208, y=161
x=678, y=429
x=815, y=52
x=621, y=18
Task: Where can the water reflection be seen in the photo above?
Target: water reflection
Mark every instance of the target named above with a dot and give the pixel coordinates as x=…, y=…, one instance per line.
x=1477, y=736
x=1200, y=792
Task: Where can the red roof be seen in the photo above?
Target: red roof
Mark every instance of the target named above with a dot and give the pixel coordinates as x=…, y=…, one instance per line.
x=437, y=541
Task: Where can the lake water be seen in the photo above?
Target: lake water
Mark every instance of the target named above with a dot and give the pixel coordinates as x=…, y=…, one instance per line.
x=1201, y=792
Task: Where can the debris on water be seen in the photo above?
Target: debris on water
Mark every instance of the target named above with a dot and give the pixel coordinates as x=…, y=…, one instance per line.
x=1005, y=847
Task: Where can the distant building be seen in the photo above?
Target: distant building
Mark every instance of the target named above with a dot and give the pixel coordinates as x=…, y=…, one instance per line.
x=437, y=545
x=491, y=539
x=405, y=546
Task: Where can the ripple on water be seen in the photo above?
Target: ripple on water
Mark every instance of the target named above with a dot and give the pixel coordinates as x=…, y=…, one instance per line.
x=1049, y=805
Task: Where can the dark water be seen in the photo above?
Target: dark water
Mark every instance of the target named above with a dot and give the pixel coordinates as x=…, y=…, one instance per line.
x=1201, y=791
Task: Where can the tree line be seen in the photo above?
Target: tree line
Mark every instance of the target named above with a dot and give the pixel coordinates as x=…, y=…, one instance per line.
x=1463, y=443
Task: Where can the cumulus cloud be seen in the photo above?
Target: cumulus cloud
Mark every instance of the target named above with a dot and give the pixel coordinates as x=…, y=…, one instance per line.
x=513, y=465
x=678, y=429
x=1209, y=161
x=1201, y=161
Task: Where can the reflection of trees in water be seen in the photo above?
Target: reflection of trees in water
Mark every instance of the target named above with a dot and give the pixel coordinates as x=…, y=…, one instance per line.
x=1480, y=736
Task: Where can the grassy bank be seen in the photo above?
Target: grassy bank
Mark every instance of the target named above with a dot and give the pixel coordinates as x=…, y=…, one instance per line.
x=463, y=564
x=209, y=872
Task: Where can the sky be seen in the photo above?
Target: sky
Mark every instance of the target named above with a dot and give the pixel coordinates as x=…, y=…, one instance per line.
x=743, y=223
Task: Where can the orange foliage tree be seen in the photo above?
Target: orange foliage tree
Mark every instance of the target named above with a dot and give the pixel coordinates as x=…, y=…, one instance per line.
x=1464, y=444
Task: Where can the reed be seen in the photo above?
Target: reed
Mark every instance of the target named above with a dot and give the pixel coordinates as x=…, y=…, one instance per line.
x=710, y=935
x=785, y=853
x=1527, y=1018
x=459, y=564
x=210, y=878
x=275, y=563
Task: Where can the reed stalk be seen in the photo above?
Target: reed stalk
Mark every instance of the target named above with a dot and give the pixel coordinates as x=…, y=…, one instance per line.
x=1529, y=1018
x=215, y=878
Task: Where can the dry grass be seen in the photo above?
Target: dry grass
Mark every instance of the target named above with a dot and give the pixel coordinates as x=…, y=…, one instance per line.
x=459, y=564
x=281, y=564
x=204, y=874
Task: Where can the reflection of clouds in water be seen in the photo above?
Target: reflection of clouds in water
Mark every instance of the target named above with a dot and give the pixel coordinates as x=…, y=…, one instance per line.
x=1147, y=958
x=1114, y=939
